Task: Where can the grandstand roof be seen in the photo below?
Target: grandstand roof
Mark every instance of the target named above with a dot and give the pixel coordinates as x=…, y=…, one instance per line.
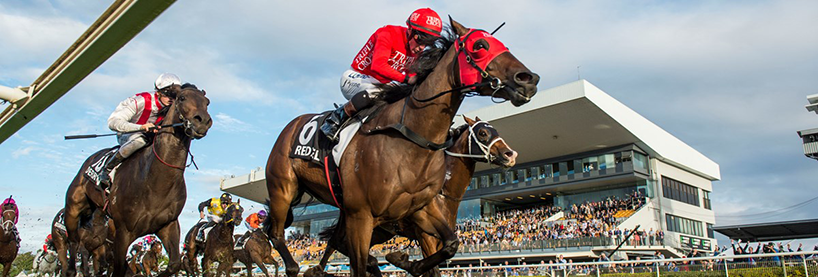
x=771, y=231
x=573, y=118
x=579, y=117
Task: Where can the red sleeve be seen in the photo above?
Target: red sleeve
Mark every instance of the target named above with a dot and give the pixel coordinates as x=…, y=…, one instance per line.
x=384, y=43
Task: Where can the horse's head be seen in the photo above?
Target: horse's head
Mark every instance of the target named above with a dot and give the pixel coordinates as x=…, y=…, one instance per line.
x=482, y=58
x=156, y=247
x=9, y=215
x=233, y=213
x=486, y=144
x=191, y=107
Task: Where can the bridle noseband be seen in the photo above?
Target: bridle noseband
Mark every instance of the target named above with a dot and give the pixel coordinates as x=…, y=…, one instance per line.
x=8, y=223
x=188, y=131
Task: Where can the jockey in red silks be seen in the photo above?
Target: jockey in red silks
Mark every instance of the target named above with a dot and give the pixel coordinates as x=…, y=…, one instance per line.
x=383, y=60
x=138, y=112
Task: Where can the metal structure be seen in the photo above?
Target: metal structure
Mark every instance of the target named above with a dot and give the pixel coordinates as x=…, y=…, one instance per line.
x=120, y=23
x=810, y=136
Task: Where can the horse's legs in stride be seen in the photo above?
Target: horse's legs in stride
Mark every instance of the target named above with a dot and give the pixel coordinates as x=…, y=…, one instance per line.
x=122, y=240
x=72, y=218
x=279, y=209
x=359, y=233
x=259, y=261
x=62, y=255
x=169, y=235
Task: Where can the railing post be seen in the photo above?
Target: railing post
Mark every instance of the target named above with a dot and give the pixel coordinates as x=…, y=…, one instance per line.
x=597, y=269
x=657, y=269
x=804, y=260
x=726, y=273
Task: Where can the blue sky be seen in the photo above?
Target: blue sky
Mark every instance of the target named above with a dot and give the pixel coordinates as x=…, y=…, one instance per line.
x=729, y=78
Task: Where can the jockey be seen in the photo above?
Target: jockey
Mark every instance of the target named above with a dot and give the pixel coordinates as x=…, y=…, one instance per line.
x=383, y=60
x=47, y=246
x=252, y=222
x=138, y=112
x=216, y=207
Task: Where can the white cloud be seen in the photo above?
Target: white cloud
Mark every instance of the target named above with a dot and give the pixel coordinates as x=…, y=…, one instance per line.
x=23, y=151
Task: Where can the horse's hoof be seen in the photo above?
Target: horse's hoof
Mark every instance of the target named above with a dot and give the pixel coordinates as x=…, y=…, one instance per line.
x=314, y=271
x=398, y=259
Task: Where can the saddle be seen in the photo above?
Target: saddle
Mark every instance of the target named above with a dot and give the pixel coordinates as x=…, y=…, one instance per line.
x=98, y=166
x=60, y=223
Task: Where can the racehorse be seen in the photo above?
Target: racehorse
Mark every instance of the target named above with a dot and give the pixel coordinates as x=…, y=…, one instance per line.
x=474, y=141
x=189, y=266
x=257, y=249
x=150, y=260
x=95, y=237
x=47, y=265
x=148, y=191
x=135, y=262
x=385, y=176
x=219, y=243
x=8, y=237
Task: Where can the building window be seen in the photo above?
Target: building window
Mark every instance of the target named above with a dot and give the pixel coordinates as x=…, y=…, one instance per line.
x=535, y=172
x=684, y=225
x=679, y=191
x=710, y=233
x=706, y=199
x=484, y=181
x=473, y=184
x=496, y=178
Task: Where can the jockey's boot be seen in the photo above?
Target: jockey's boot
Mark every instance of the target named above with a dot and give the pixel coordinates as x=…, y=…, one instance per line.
x=105, y=179
x=334, y=121
x=243, y=239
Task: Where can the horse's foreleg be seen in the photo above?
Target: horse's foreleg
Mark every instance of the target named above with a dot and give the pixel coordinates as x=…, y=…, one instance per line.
x=6, y=268
x=448, y=250
x=62, y=255
x=279, y=210
x=169, y=235
x=258, y=261
x=122, y=240
x=72, y=219
x=359, y=234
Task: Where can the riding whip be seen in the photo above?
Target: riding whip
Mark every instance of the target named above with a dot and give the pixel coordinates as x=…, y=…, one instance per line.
x=498, y=28
x=120, y=133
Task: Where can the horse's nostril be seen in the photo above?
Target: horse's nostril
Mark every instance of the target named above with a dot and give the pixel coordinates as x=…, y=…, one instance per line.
x=522, y=77
x=198, y=118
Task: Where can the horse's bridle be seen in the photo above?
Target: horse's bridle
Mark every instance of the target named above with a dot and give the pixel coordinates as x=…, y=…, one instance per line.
x=485, y=149
x=7, y=222
x=188, y=131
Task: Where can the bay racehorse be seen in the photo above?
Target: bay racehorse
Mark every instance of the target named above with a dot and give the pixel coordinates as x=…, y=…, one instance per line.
x=257, y=249
x=385, y=176
x=218, y=246
x=47, y=265
x=8, y=235
x=474, y=141
x=95, y=237
x=150, y=260
x=148, y=191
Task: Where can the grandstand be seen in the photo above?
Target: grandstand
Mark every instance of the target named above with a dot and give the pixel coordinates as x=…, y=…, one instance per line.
x=589, y=171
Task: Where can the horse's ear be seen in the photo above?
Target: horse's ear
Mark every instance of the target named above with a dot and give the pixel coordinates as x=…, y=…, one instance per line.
x=477, y=118
x=468, y=120
x=458, y=29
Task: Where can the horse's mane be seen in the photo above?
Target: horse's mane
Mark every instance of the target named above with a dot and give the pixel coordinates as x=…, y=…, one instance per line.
x=423, y=65
x=455, y=133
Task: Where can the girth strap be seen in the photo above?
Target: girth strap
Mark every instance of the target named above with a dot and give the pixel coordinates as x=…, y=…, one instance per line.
x=413, y=137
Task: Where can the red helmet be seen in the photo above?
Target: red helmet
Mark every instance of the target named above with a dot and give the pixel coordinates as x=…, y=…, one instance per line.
x=425, y=20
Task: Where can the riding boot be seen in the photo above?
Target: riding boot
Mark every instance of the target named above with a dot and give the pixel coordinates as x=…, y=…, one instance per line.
x=334, y=121
x=105, y=178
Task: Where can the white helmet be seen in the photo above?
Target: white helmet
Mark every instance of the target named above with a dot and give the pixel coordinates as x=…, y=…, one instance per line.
x=166, y=80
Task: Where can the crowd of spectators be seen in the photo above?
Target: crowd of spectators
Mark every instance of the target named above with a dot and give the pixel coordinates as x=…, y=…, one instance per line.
x=522, y=228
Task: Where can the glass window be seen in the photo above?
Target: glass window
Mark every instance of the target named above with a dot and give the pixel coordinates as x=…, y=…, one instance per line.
x=484, y=181
x=710, y=233
x=523, y=175
x=473, y=184
x=679, y=191
x=546, y=171
x=555, y=169
x=570, y=167
x=496, y=179
x=535, y=172
x=706, y=195
x=685, y=225
x=511, y=176
x=640, y=161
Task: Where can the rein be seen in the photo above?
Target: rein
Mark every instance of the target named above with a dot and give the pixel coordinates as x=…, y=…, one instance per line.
x=185, y=123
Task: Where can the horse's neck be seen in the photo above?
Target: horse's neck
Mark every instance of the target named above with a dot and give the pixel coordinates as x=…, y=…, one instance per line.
x=460, y=169
x=432, y=119
x=171, y=148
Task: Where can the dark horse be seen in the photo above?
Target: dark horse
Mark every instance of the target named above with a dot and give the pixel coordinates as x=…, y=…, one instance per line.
x=219, y=243
x=474, y=141
x=257, y=249
x=150, y=260
x=95, y=237
x=148, y=191
x=8, y=239
x=387, y=177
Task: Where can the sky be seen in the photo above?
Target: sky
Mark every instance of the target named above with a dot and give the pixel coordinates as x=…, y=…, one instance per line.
x=729, y=78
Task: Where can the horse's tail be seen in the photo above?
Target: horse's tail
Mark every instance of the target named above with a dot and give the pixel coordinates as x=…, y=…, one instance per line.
x=329, y=231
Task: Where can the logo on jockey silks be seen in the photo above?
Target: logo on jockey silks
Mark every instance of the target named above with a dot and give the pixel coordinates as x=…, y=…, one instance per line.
x=431, y=20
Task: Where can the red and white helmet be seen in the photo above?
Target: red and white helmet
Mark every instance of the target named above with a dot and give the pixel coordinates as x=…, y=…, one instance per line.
x=425, y=20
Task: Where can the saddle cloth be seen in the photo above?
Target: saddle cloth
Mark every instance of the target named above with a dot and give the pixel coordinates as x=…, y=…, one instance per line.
x=95, y=169
x=60, y=223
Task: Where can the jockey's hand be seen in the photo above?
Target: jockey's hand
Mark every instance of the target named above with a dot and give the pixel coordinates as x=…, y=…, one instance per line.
x=412, y=79
x=148, y=126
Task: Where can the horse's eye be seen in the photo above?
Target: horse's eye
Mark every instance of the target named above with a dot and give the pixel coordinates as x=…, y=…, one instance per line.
x=181, y=98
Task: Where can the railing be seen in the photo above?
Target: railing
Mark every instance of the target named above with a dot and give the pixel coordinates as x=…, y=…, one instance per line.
x=532, y=246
